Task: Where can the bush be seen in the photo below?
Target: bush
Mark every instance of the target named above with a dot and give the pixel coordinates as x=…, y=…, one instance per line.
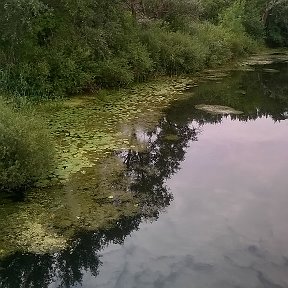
x=277, y=26
x=51, y=49
x=174, y=52
x=215, y=40
x=114, y=72
x=176, y=13
x=203, y=45
x=25, y=152
x=236, y=22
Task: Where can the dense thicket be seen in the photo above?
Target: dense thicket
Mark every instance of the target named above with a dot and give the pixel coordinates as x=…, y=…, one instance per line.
x=276, y=22
x=50, y=48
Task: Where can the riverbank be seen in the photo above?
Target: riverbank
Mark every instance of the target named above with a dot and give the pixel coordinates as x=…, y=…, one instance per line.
x=56, y=50
x=210, y=180
x=96, y=137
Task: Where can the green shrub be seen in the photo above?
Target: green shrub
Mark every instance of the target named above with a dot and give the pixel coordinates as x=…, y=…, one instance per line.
x=277, y=26
x=26, y=153
x=114, y=72
x=132, y=63
x=57, y=48
x=206, y=45
x=174, y=52
x=139, y=59
x=215, y=39
x=176, y=13
x=212, y=8
x=235, y=21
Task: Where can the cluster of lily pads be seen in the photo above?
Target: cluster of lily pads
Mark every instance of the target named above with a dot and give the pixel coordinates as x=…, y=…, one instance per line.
x=87, y=188
x=86, y=128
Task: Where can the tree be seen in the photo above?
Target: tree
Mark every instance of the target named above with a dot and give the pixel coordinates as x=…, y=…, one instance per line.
x=271, y=5
x=275, y=21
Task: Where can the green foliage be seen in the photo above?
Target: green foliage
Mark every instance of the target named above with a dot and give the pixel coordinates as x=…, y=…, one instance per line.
x=238, y=16
x=206, y=45
x=176, y=13
x=232, y=17
x=25, y=150
x=215, y=40
x=252, y=21
x=52, y=48
x=212, y=8
x=277, y=25
x=235, y=21
x=114, y=72
x=173, y=52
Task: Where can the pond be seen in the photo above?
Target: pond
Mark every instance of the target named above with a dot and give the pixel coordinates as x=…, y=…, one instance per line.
x=205, y=199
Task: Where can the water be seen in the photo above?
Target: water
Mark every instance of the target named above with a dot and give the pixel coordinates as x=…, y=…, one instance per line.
x=219, y=188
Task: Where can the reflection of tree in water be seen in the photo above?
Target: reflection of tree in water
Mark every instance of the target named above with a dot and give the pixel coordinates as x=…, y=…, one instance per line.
x=147, y=171
x=259, y=93
x=65, y=267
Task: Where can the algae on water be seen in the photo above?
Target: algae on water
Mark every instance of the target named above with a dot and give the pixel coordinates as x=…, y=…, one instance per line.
x=49, y=217
x=88, y=189
x=218, y=109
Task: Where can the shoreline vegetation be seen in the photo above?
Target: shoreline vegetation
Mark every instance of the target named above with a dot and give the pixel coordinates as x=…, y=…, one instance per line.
x=50, y=50
x=91, y=189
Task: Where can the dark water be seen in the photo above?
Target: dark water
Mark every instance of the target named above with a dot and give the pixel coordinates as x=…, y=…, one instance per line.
x=219, y=185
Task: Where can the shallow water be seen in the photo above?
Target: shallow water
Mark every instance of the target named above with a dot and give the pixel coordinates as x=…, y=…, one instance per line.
x=214, y=199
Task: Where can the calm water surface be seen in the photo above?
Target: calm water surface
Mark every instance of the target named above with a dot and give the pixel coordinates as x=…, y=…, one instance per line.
x=227, y=225
x=221, y=186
